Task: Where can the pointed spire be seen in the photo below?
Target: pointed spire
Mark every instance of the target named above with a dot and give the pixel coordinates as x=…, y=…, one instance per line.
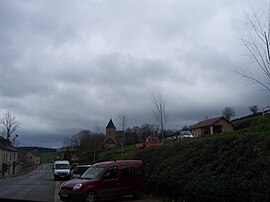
x=110, y=124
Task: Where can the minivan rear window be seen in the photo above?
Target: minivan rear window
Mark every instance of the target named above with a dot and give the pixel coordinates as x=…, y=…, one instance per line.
x=111, y=173
x=125, y=171
x=138, y=170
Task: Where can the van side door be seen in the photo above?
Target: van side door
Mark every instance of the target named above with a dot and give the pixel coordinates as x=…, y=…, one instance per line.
x=139, y=175
x=109, y=184
x=126, y=179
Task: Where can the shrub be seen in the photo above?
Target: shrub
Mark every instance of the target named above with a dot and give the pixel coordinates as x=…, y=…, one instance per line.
x=225, y=167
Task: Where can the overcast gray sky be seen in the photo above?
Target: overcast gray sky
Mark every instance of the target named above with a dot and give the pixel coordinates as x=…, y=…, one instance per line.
x=71, y=65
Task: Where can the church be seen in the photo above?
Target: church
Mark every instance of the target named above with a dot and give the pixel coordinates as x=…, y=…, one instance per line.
x=113, y=138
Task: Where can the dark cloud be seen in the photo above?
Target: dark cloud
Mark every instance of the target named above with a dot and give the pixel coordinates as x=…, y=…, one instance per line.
x=66, y=66
x=42, y=140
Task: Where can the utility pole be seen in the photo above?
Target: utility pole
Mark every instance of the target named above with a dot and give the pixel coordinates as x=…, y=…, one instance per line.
x=95, y=145
x=123, y=120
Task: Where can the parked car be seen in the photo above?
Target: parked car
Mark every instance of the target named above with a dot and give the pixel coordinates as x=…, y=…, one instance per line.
x=186, y=134
x=78, y=171
x=73, y=166
x=61, y=170
x=106, y=180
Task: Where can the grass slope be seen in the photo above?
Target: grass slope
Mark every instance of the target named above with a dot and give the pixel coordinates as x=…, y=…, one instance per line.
x=48, y=157
x=115, y=154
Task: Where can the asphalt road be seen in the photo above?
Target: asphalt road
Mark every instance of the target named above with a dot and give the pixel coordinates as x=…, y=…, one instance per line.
x=40, y=186
x=35, y=186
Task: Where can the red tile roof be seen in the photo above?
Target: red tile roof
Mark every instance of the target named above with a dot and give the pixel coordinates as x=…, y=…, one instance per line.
x=208, y=122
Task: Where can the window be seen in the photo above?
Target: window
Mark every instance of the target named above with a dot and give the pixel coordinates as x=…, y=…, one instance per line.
x=111, y=173
x=61, y=166
x=125, y=171
x=138, y=170
x=93, y=172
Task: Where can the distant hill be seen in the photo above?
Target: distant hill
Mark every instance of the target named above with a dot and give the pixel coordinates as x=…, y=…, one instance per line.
x=39, y=149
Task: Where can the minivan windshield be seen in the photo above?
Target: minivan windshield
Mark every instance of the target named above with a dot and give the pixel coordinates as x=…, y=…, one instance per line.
x=61, y=166
x=93, y=172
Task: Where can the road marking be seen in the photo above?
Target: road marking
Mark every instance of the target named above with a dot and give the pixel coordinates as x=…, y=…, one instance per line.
x=42, y=171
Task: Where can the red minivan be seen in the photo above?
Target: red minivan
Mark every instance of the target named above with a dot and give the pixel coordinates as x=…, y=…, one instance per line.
x=106, y=180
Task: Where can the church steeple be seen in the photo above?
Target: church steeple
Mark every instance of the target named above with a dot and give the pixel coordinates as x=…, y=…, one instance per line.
x=111, y=130
x=110, y=125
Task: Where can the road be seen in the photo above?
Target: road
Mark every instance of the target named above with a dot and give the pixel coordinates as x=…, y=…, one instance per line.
x=40, y=186
x=35, y=186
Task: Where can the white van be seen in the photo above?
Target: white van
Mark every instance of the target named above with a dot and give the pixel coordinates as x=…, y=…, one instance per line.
x=186, y=134
x=61, y=170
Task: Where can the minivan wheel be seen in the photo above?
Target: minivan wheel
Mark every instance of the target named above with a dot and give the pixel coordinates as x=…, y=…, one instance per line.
x=90, y=197
x=138, y=193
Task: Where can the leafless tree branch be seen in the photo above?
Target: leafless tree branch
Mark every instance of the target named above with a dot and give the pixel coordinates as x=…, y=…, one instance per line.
x=123, y=121
x=9, y=124
x=253, y=79
x=259, y=49
x=159, y=111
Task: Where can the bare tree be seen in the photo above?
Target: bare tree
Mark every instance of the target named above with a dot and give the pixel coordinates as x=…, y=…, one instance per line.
x=75, y=139
x=159, y=112
x=185, y=128
x=95, y=142
x=254, y=109
x=257, y=42
x=9, y=125
x=15, y=140
x=123, y=121
x=89, y=143
x=66, y=142
x=147, y=129
x=228, y=112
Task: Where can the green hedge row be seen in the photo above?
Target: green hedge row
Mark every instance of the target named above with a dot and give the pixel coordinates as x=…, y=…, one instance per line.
x=224, y=167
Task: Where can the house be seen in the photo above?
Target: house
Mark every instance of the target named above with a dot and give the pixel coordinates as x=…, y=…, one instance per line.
x=32, y=158
x=28, y=157
x=8, y=158
x=212, y=126
x=71, y=153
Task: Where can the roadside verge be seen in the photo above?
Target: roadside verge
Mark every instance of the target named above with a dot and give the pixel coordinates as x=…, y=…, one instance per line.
x=56, y=190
